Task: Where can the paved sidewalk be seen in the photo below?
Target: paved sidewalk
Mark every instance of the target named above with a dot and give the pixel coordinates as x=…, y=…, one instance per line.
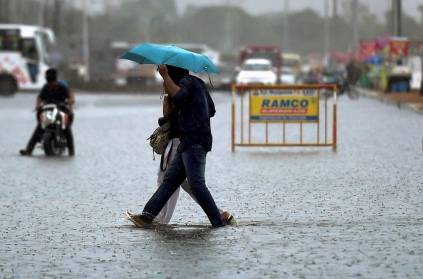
x=410, y=100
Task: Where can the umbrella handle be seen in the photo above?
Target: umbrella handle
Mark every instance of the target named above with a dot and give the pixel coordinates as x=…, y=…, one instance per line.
x=212, y=87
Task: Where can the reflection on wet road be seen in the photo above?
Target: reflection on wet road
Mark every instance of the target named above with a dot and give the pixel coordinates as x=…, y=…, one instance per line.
x=302, y=213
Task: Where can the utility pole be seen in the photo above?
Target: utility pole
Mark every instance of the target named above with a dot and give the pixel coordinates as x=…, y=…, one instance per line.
x=227, y=35
x=41, y=12
x=86, y=42
x=354, y=19
x=5, y=11
x=326, y=28
x=57, y=13
x=397, y=17
x=335, y=8
x=285, y=41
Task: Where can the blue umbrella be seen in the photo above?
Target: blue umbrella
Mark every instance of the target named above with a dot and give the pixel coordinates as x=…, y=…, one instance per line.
x=375, y=60
x=148, y=53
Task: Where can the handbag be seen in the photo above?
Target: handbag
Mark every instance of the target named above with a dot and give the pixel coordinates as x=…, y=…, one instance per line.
x=160, y=137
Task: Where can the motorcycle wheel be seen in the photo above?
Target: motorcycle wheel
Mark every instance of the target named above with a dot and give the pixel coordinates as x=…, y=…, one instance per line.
x=8, y=85
x=51, y=146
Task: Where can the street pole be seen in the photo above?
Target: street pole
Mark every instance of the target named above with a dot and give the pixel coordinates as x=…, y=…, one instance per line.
x=4, y=11
x=397, y=18
x=41, y=12
x=57, y=12
x=228, y=39
x=285, y=42
x=86, y=43
x=231, y=26
x=354, y=11
x=326, y=28
x=393, y=18
x=335, y=8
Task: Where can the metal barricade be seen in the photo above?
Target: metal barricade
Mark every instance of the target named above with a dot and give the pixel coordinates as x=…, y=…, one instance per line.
x=286, y=106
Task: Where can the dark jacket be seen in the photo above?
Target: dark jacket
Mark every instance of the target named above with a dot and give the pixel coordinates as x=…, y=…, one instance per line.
x=54, y=93
x=195, y=107
x=172, y=118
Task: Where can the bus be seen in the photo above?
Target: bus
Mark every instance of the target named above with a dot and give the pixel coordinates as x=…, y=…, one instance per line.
x=23, y=56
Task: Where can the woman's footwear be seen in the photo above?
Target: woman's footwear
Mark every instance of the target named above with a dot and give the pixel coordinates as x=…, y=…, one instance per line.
x=24, y=152
x=228, y=218
x=137, y=220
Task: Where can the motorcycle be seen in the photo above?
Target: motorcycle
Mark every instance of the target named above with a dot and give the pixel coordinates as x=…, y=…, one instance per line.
x=54, y=122
x=338, y=79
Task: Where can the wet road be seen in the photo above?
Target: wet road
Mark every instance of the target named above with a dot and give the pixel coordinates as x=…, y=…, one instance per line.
x=302, y=213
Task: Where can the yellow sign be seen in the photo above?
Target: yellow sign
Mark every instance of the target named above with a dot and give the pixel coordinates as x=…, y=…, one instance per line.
x=284, y=107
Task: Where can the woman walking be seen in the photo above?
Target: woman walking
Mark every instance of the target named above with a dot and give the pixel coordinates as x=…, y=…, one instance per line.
x=170, y=114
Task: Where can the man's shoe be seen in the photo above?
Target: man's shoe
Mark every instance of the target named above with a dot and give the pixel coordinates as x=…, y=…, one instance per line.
x=138, y=221
x=228, y=218
x=24, y=152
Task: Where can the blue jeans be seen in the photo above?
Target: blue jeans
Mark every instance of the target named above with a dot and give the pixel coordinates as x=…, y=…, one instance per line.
x=190, y=164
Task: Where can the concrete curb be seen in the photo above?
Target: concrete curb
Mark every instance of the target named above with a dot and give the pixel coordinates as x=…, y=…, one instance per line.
x=375, y=95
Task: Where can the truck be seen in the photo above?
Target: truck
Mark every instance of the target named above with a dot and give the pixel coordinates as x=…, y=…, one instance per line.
x=270, y=52
x=23, y=57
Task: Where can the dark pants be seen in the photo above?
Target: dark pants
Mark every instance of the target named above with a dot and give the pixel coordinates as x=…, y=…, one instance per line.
x=38, y=134
x=33, y=69
x=190, y=164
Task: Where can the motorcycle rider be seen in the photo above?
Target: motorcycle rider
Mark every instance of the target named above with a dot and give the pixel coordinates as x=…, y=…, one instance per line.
x=53, y=92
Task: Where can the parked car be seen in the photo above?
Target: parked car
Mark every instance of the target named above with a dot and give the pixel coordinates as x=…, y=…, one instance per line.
x=415, y=64
x=256, y=71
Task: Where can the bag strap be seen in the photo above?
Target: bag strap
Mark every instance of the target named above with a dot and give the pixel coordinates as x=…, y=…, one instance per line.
x=168, y=157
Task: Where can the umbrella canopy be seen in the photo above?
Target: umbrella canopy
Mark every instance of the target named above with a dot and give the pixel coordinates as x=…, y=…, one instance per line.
x=375, y=60
x=148, y=53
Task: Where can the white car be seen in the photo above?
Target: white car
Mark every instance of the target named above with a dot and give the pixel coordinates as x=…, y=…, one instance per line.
x=256, y=71
x=415, y=64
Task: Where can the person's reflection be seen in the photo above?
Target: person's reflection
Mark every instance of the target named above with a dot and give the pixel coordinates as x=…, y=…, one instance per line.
x=194, y=236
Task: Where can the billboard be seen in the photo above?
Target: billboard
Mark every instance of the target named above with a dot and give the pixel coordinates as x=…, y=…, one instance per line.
x=286, y=105
x=398, y=47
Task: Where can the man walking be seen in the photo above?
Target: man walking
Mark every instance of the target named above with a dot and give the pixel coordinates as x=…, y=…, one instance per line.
x=195, y=107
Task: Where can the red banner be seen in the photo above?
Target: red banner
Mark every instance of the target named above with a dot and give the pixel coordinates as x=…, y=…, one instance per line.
x=367, y=49
x=398, y=47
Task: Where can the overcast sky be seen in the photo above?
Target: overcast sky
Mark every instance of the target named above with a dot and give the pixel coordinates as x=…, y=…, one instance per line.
x=262, y=6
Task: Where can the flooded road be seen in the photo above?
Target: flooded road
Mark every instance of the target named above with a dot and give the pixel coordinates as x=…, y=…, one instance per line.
x=302, y=212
